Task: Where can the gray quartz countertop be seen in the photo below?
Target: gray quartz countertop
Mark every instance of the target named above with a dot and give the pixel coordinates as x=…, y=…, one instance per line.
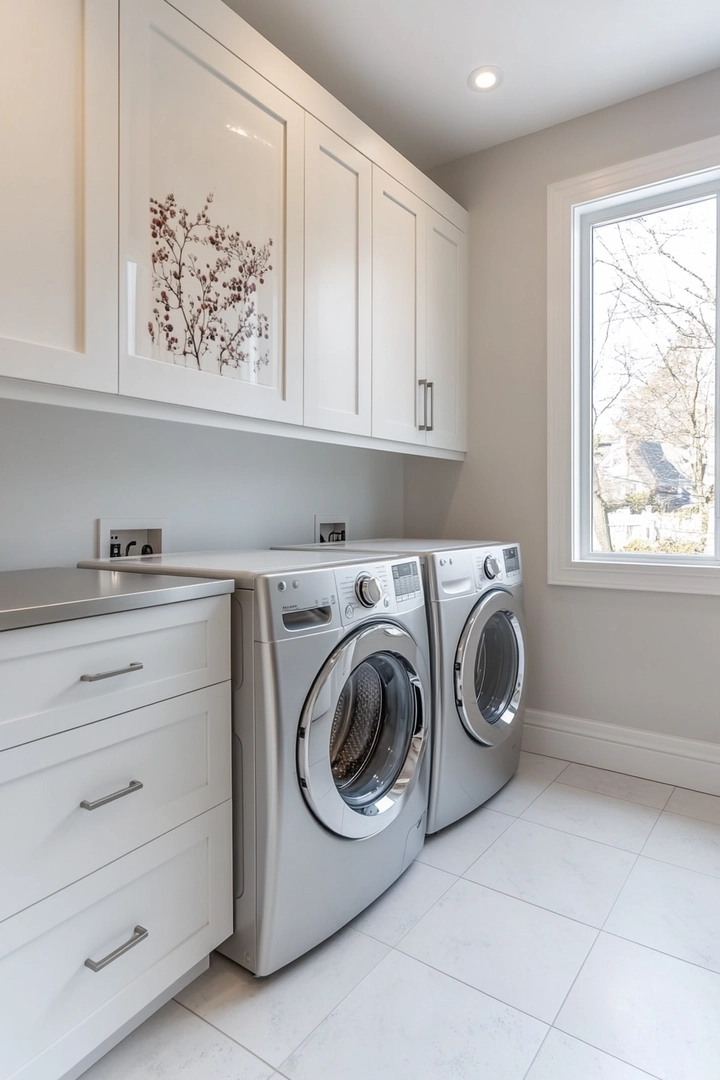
x=57, y=594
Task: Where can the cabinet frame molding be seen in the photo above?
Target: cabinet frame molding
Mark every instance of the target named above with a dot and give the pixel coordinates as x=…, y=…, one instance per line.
x=93, y=366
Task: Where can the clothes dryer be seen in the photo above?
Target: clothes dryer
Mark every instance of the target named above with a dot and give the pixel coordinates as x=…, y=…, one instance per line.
x=331, y=707
x=474, y=595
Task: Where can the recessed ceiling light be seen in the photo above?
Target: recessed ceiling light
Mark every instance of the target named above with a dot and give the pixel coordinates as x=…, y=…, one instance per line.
x=485, y=78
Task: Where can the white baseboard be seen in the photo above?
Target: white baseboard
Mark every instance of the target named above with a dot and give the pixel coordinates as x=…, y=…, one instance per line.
x=670, y=759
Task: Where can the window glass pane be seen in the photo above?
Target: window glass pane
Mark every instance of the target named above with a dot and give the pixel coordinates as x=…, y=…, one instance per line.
x=653, y=381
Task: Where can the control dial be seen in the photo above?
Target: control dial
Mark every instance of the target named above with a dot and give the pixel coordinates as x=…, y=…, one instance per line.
x=368, y=590
x=492, y=567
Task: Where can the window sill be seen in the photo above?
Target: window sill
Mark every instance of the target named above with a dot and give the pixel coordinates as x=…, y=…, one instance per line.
x=645, y=577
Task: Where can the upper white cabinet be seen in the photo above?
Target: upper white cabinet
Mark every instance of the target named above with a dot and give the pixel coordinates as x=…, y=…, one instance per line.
x=189, y=219
x=446, y=328
x=211, y=223
x=58, y=192
x=338, y=282
x=398, y=319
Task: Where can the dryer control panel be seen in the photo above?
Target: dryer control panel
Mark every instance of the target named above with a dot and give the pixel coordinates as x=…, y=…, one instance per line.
x=501, y=564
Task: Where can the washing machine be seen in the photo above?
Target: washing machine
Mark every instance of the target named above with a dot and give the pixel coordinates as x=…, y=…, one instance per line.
x=477, y=642
x=331, y=719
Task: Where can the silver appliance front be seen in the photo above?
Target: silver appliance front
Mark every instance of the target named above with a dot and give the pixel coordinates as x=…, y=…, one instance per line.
x=364, y=730
x=490, y=668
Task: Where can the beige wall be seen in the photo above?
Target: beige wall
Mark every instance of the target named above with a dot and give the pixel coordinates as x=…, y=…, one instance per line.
x=643, y=660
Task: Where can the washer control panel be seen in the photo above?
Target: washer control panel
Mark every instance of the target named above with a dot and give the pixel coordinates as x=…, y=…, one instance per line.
x=378, y=588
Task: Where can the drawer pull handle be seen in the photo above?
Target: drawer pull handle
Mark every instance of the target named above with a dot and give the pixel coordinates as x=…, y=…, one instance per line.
x=139, y=934
x=134, y=785
x=111, y=674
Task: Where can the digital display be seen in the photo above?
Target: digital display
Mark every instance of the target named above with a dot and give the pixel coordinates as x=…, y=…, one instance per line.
x=512, y=560
x=406, y=580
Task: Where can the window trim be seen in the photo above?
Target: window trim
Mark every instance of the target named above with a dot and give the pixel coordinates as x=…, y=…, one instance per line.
x=675, y=169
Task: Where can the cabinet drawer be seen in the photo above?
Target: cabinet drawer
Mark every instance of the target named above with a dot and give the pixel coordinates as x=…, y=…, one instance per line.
x=49, y=673
x=53, y=1008
x=179, y=750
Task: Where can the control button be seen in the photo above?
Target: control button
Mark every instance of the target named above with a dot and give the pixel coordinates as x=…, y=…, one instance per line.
x=368, y=590
x=281, y=586
x=492, y=567
x=349, y=611
x=296, y=584
x=442, y=562
x=386, y=602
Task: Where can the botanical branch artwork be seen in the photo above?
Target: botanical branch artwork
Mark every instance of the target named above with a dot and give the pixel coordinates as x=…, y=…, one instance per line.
x=205, y=279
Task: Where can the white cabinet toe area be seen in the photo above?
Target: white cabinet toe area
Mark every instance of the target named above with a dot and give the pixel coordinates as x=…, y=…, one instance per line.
x=279, y=266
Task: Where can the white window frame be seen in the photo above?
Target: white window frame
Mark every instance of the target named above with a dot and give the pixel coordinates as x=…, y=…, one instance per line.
x=574, y=206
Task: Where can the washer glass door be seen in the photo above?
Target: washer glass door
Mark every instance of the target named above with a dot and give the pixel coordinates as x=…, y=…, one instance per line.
x=490, y=669
x=363, y=731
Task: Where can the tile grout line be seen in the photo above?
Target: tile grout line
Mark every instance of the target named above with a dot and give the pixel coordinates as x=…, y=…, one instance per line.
x=618, y=798
x=644, y=1072
x=225, y=1034
x=337, y=1003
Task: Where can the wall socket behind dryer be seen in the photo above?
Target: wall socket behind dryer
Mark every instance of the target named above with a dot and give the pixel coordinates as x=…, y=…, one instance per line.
x=331, y=530
x=133, y=532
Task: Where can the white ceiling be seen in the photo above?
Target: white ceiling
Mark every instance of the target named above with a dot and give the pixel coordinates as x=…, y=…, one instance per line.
x=402, y=65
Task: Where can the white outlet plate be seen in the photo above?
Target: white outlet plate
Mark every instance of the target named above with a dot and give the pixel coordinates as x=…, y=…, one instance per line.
x=329, y=528
x=153, y=531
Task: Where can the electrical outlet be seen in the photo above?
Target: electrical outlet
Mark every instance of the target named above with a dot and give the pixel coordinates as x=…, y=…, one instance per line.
x=331, y=532
x=130, y=536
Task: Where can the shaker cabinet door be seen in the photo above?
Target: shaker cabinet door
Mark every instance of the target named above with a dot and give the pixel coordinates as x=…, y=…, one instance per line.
x=447, y=315
x=338, y=282
x=211, y=223
x=399, y=399
x=58, y=192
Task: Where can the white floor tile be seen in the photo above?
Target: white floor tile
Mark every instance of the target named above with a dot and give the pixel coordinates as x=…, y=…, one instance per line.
x=272, y=1016
x=533, y=776
x=653, y=1011
x=695, y=804
x=567, y=874
x=406, y=1021
x=596, y=817
x=671, y=909
x=620, y=786
x=564, y=1058
x=175, y=1043
x=686, y=842
x=521, y=954
x=457, y=847
x=397, y=911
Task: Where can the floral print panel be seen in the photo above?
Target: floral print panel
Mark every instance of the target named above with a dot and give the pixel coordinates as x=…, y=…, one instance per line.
x=210, y=281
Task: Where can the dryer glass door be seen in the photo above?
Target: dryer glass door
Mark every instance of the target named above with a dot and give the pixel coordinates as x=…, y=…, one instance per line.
x=490, y=669
x=363, y=731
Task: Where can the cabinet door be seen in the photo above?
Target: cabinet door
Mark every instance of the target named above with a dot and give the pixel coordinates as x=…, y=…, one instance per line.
x=338, y=283
x=211, y=223
x=58, y=192
x=446, y=333
x=398, y=337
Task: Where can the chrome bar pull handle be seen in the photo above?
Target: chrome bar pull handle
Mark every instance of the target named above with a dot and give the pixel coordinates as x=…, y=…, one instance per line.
x=111, y=674
x=422, y=383
x=88, y=804
x=139, y=934
x=430, y=390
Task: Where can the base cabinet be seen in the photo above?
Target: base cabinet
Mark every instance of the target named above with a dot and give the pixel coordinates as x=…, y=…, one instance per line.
x=54, y=1006
x=116, y=878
